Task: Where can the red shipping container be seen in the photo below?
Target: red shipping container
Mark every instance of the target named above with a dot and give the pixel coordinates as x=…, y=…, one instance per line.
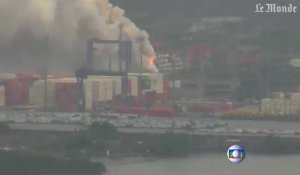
x=129, y=89
x=165, y=93
x=67, y=95
x=195, y=53
x=153, y=112
x=17, y=91
x=161, y=112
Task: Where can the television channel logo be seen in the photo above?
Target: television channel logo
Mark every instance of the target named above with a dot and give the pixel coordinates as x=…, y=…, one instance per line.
x=236, y=154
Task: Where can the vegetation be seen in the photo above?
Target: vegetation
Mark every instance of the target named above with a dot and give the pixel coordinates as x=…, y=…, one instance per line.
x=80, y=141
x=96, y=136
x=19, y=164
x=104, y=131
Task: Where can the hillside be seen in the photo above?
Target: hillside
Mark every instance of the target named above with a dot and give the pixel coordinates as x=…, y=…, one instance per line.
x=168, y=15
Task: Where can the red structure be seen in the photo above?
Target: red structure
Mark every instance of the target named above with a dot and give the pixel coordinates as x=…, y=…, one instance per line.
x=67, y=96
x=196, y=53
x=153, y=112
x=17, y=90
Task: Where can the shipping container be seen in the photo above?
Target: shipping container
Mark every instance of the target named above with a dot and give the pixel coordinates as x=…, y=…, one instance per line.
x=37, y=93
x=88, y=95
x=288, y=107
x=112, y=83
x=278, y=95
x=153, y=112
x=109, y=84
x=146, y=81
x=100, y=89
x=117, y=86
x=17, y=91
x=164, y=95
x=157, y=82
x=134, y=90
x=171, y=84
x=67, y=96
x=2, y=96
x=295, y=103
x=7, y=76
x=177, y=84
x=279, y=105
x=267, y=105
x=161, y=112
x=295, y=62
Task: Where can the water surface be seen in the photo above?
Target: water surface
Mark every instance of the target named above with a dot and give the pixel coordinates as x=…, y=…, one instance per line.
x=211, y=164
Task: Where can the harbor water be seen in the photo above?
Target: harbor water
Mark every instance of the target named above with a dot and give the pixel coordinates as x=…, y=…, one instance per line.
x=210, y=164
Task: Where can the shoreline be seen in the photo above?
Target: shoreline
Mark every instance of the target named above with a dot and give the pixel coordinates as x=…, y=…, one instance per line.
x=259, y=118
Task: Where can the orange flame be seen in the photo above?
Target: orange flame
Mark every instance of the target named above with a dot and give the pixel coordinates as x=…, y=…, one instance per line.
x=151, y=60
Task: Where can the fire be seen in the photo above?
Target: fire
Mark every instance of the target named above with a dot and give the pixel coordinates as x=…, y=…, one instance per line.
x=151, y=60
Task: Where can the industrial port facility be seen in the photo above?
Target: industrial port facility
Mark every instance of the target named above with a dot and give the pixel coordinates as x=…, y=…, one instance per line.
x=117, y=68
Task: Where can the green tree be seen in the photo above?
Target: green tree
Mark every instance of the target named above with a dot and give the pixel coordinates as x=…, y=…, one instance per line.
x=21, y=164
x=104, y=131
x=79, y=141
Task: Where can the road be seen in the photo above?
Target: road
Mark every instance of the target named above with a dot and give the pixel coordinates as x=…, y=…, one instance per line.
x=71, y=128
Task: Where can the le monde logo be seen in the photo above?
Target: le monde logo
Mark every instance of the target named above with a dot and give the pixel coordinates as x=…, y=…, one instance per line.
x=275, y=8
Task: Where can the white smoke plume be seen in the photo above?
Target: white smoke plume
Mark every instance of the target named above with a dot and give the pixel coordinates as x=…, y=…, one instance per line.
x=33, y=31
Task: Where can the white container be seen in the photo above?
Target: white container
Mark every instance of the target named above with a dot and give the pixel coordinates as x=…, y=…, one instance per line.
x=295, y=100
x=6, y=76
x=2, y=96
x=177, y=84
x=155, y=78
x=100, y=89
x=88, y=95
x=37, y=93
x=92, y=93
x=134, y=85
x=279, y=105
x=117, y=86
x=295, y=62
x=157, y=83
x=66, y=80
x=266, y=105
x=289, y=107
x=109, y=89
x=278, y=95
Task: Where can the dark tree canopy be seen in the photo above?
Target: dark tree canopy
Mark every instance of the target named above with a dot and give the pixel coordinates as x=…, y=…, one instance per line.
x=20, y=164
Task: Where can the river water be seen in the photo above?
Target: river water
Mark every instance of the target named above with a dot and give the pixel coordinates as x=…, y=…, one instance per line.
x=211, y=164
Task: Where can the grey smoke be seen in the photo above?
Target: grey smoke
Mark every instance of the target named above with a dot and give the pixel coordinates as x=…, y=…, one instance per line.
x=32, y=31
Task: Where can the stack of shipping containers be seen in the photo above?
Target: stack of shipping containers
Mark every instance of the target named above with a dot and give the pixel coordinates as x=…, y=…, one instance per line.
x=295, y=103
x=63, y=94
x=37, y=93
x=2, y=96
x=99, y=89
x=17, y=90
x=281, y=105
x=67, y=95
x=106, y=88
x=149, y=81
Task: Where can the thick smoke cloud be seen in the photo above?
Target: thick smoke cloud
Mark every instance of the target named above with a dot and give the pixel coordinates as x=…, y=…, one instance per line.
x=33, y=31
